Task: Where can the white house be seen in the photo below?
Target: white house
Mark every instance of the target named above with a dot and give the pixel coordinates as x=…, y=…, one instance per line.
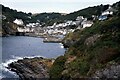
x=79, y=18
x=20, y=29
x=25, y=29
x=109, y=11
x=73, y=23
x=33, y=25
x=18, y=21
x=86, y=24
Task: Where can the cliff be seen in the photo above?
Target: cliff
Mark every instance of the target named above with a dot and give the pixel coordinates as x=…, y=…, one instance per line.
x=93, y=52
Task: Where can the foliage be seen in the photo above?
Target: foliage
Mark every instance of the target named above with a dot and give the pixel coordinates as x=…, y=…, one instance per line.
x=58, y=67
x=13, y=14
x=104, y=50
x=48, y=18
x=79, y=65
x=87, y=12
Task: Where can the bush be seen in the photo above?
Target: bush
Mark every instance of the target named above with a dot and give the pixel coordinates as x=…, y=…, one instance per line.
x=58, y=67
x=80, y=65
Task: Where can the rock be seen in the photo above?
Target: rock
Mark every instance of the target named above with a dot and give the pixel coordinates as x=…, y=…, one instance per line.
x=112, y=71
x=31, y=68
x=67, y=43
x=91, y=40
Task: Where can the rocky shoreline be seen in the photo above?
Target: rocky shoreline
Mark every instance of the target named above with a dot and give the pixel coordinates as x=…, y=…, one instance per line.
x=32, y=68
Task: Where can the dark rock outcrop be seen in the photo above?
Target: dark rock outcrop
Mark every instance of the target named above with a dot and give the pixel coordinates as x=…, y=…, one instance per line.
x=9, y=28
x=68, y=43
x=91, y=40
x=31, y=69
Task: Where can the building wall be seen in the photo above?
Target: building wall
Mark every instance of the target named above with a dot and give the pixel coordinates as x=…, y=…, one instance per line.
x=87, y=25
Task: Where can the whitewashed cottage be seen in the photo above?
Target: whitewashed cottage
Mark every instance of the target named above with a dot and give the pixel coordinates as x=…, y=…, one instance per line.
x=85, y=24
x=18, y=21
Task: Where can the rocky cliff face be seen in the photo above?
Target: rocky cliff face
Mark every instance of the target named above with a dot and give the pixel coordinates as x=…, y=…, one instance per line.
x=31, y=69
x=112, y=71
x=9, y=28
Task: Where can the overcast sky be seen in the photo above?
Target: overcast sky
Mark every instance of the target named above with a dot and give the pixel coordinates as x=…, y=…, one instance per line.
x=62, y=6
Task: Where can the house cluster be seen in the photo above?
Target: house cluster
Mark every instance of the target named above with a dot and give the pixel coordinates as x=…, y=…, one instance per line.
x=55, y=29
x=33, y=24
x=68, y=26
x=31, y=27
x=79, y=23
x=22, y=27
x=25, y=29
x=65, y=27
x=109, y=12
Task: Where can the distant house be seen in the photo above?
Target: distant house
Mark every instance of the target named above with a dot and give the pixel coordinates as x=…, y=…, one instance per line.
x=24, y=29
x=79, y=18
x=77, y=23
x=85, y=24
x=102, y=17
x=109, y=11
x=18, y=21
x=106, y=13
x=20, y=29
x=33, y=25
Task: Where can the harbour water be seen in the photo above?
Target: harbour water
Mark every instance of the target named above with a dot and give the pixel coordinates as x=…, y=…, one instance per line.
x=18, y=47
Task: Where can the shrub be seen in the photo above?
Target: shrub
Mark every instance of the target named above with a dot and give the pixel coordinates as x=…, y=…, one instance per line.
x=80, y=65
x=58, y=67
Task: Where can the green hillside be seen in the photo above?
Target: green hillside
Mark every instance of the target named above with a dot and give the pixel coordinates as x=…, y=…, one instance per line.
x=91, y=49
x=11, y=15
x=48, y=18
x=87, y=12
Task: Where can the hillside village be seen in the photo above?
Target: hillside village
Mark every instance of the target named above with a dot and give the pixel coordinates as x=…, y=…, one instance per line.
x=61, y=29
x=61, y=26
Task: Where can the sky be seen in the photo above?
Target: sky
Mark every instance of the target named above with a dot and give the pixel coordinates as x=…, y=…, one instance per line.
x=61, y=6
